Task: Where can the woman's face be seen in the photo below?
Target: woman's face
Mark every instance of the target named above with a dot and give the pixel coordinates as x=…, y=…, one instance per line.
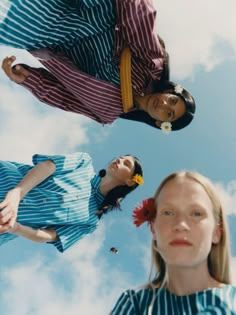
x=122, y=170
x=165, y=107
x=184, y=228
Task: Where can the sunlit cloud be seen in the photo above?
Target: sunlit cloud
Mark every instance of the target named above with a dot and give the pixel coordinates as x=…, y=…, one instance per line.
x=227, y=195
x=25, y=130
x=196, y=36
x=88, y=284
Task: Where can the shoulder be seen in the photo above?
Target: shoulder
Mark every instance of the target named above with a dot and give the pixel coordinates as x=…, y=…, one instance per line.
x=231, y=289
x=131, y=302
x=140, y=297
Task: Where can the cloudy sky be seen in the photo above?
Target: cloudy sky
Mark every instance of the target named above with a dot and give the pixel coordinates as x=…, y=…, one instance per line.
x=34, y=279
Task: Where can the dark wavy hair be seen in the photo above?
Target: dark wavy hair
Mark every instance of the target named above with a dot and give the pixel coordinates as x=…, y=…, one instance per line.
x=116, y=195
x=183, y=121
x=161, y=86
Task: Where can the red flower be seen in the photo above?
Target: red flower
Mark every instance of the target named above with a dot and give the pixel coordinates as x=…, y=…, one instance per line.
x=144, y=212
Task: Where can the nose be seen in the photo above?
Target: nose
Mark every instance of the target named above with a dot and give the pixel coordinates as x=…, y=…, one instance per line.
x=181, y=224
x=164, y=104
x=118, y=160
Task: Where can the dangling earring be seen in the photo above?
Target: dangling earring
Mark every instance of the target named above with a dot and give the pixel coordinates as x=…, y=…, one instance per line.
x=102, y=173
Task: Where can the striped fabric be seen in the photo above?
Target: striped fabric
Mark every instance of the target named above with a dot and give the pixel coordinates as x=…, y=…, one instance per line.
x=84, y=41
x=66, y=201
x=216, y=301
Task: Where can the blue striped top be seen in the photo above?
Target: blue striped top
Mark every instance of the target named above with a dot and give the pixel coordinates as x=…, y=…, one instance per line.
x=82, y=30
x=216, y=301
x=66, y=201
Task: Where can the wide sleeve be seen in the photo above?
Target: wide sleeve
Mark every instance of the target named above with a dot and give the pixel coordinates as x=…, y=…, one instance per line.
x=65, y=163
x=70, y=234
x=136, y=19
x=49, y=90
x=136, y=28
x=76, y=90
x=127, y=304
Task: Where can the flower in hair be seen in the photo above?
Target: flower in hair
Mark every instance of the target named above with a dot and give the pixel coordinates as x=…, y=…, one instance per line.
x=144, y=212
x=166, y=127
x=178, y=89
x=138, y=179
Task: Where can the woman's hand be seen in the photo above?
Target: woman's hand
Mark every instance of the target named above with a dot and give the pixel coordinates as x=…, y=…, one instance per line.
x=9, y=209
x=17, y=74
x=14, y=229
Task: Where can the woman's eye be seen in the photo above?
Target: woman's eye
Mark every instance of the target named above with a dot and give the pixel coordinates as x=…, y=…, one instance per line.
x=197, y=213
x=173, y=100
x=167, y=213
x=127, y=163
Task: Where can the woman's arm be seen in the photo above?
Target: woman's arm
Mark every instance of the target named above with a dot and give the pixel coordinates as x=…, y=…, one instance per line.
x=9, y=206
x=41, y=83
x=35, y=235
x=137, y=23
x=136, y=28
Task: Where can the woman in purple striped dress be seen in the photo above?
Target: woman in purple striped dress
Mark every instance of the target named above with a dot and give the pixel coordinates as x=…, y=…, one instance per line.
x=190, y=252
x=80, y=43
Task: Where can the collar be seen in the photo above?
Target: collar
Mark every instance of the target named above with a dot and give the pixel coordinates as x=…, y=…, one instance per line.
x=95, y=183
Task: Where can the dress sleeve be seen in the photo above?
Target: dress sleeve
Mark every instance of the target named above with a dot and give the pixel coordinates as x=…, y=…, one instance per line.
x=136, y=27
x=47, y=89
x=70, y=234
x=65, y=86
x=65, y=163
x=126, y=304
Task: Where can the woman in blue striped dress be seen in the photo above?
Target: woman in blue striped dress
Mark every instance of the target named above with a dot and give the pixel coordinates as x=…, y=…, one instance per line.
x=81, y=43
x=61, y=198
x=190, y=252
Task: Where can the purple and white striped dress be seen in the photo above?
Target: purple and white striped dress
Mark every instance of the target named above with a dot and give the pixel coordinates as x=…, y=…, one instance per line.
x=82, y=41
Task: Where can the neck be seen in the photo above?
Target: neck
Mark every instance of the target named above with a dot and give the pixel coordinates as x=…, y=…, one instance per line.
x=107, y=183
x=185, y=281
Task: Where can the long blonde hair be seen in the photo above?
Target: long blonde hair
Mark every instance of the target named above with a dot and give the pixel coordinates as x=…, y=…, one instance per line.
x=219, y=256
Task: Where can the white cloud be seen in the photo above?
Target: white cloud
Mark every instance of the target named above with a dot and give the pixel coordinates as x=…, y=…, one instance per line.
x=227, y=194
x=91, y=284
x=197, y=33
x=25, y=130
x=28, y=126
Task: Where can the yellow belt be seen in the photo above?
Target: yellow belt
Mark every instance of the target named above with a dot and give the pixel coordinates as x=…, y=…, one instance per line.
x=125, y=80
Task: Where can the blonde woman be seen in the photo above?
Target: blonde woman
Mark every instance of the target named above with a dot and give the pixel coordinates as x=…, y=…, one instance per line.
x=190, y=252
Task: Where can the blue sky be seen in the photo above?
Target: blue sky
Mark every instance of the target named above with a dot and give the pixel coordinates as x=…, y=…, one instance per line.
x=34, y=278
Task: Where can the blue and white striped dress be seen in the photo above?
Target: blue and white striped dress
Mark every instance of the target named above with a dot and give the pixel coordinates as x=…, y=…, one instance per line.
x=66, y=201
x=216, y=301
x=83, y=30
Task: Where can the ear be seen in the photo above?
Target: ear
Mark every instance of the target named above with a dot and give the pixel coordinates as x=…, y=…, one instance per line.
x=217, y=234
x=158, y=123
x=153, y=229
x=130, y=182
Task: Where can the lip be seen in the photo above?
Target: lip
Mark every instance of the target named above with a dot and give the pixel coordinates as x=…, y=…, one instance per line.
x=180, y=242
